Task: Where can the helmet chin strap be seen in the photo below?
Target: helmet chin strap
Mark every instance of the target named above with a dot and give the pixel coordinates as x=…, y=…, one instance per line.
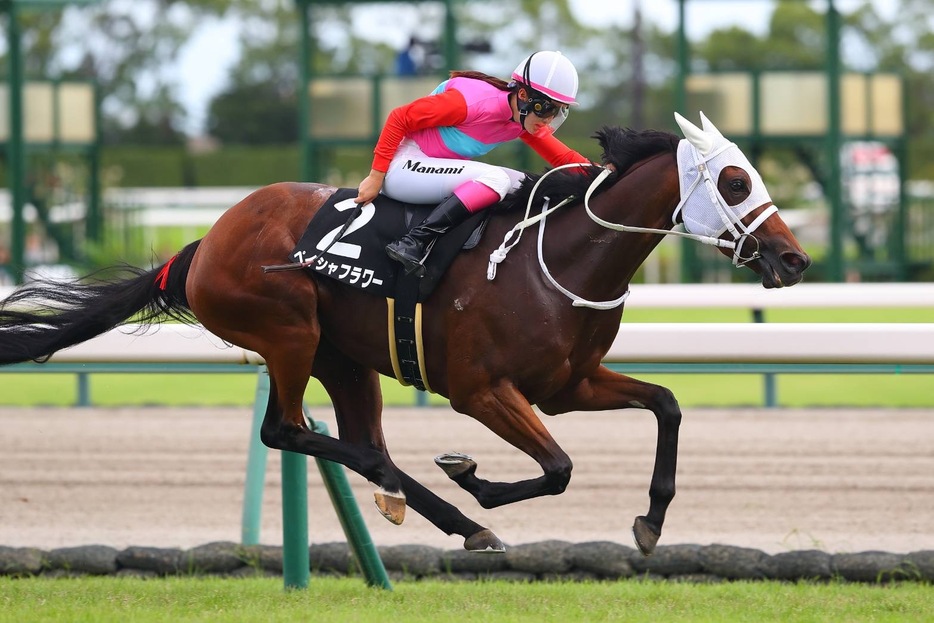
x=523, y=111
x=525, y=106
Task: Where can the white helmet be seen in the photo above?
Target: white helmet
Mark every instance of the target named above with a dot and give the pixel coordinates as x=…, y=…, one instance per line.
x=551, y=73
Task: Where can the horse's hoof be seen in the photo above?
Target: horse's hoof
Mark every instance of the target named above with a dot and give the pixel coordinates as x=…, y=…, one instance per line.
x=455, y=464
x=391, y=505
x=644, y=536
x=484, y=542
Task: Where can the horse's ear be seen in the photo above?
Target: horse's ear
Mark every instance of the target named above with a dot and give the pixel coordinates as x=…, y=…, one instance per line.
x=700, y=139
x=708, y=125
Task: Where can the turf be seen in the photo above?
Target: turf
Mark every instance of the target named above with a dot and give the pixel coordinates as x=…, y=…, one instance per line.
x=329, y=599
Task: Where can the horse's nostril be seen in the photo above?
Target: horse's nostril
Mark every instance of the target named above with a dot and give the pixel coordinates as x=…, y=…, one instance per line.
x=796, y=262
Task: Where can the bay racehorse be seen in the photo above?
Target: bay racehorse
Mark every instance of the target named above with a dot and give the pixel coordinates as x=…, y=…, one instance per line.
x=528, y=328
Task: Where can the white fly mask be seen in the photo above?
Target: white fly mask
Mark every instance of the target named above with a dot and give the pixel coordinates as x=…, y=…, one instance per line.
x=702, y=155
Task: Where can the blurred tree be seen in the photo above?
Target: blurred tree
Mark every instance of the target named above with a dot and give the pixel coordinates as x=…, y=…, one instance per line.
x=904, y=45
x=796, y=38
x=125, y=47
x=38, y=40
x=259, y=105
x=132, y=45
x=155, y=121
x=256, y=114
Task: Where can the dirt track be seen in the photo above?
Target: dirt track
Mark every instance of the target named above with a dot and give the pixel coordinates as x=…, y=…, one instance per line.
x=840, y=481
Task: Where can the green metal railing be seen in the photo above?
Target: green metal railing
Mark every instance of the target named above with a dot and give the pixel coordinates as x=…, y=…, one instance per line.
x=295, y=558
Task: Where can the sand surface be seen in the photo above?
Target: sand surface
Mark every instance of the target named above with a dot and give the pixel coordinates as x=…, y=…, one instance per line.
x=776, y=480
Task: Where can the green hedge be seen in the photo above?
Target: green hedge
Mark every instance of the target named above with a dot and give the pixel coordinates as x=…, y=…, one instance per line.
x=261, y=165
x=173, y=166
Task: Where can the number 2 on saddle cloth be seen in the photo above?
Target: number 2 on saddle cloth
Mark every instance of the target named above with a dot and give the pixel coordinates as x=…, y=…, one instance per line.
x=353, y=253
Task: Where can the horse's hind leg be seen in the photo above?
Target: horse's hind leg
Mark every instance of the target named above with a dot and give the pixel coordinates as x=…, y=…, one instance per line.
x=274, y=315
x=285, y=428
x=447, y=518
x=357, y=401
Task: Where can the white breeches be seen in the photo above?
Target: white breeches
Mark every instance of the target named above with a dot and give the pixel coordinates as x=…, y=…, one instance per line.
x=416, y=178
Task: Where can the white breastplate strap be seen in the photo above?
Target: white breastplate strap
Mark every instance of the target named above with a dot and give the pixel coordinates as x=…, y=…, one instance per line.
x=500, y=253
x=576, y=301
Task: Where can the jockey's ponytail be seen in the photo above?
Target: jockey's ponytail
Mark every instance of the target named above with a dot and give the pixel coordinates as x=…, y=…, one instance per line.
x=500, y=84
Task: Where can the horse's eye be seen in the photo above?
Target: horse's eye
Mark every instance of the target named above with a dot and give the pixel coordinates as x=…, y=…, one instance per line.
x=737, y=185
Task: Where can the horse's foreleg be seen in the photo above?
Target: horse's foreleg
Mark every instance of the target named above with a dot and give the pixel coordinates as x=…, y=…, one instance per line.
x=506, y=412
x=357, y=399
x=607, y=390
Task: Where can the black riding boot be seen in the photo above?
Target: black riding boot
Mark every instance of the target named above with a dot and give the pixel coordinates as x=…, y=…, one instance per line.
x=410, y=248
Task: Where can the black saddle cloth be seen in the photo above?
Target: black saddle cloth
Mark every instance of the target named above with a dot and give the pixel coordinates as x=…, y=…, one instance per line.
x=359, y=258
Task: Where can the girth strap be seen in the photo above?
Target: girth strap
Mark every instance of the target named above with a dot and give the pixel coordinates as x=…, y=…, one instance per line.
x=406, y=349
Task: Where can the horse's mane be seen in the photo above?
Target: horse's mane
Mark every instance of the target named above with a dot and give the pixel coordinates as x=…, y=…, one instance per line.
x=622, y=147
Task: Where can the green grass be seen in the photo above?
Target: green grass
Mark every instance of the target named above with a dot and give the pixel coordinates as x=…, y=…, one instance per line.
x=101, y=600
x=54, y=389
x=692, y=390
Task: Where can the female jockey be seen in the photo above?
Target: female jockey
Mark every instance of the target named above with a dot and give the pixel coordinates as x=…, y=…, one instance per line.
x=424, y=152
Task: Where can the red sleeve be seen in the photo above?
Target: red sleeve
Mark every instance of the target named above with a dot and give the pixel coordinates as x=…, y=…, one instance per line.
x=552, y=150
x=444, y=109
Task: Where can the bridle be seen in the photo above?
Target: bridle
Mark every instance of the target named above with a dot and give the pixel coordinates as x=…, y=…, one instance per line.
x=732, y=223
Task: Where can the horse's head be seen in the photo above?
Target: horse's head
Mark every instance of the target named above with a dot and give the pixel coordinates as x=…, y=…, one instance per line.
x=723, y=197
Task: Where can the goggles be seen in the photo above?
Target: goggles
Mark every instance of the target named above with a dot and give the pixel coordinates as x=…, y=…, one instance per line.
x=545, y=108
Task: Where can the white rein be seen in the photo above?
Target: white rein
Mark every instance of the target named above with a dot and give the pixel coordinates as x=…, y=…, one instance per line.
x=576, y=301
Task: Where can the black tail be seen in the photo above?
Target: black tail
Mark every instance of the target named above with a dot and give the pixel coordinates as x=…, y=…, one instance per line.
x=46, y=316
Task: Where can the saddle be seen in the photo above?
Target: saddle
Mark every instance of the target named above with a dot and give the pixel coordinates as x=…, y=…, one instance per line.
x=358, y=259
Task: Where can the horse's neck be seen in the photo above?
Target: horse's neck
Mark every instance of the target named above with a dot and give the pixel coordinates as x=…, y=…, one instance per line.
x=602, y=261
